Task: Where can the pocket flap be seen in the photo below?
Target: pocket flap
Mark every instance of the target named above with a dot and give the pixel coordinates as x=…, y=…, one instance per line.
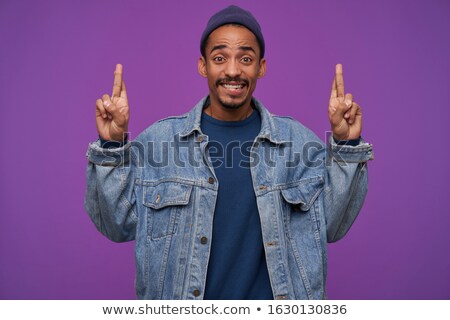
x=167, y=194
x=303, y=193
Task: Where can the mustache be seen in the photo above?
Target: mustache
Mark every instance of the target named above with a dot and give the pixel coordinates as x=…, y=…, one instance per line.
x=229, y=79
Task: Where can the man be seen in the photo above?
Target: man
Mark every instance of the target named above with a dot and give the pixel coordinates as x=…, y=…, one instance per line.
x=228, y=201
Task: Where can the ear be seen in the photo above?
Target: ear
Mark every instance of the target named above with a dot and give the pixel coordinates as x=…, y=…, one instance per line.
x=262, y=68
x=202, y=67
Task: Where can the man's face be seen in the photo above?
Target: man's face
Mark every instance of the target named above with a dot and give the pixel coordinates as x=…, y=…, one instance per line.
x=232, y=65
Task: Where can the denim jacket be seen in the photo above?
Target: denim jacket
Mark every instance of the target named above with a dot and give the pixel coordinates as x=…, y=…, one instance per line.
x=160, y=191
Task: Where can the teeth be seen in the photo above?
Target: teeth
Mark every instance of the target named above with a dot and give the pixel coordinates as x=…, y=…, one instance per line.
x=233, y=86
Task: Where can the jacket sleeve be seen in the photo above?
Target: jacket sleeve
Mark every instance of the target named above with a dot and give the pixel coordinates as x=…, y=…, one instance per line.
x=345, y=185
x=110, y=198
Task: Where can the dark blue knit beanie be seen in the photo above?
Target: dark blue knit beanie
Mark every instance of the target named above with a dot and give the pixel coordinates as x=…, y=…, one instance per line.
x=233, y=15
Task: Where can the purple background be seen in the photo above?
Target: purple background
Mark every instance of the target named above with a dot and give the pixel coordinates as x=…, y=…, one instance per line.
x=58, y=57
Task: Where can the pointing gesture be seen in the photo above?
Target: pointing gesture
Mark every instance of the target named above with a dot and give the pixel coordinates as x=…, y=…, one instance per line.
x=345, y=114
x=112, y=113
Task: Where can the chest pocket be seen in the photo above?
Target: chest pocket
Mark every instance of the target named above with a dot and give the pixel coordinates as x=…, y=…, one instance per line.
x=299, y=201
x=164, y=202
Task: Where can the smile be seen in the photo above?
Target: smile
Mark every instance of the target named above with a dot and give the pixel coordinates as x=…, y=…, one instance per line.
x=233, y=86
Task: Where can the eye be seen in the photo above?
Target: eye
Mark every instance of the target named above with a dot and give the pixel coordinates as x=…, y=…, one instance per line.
x=218, y=59
x=247, y=60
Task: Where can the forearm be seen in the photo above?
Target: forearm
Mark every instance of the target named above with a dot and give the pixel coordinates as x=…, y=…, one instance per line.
x=110, y=199
x=346, y=186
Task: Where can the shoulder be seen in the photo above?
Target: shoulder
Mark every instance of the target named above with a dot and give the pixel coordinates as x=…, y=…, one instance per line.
x=164, y=128
x=290, y=127
x=285, y=127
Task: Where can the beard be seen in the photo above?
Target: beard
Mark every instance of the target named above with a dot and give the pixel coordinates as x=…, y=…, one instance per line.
x=231, y=105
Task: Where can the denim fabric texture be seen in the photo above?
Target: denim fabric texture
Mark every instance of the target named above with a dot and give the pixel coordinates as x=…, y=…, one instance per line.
x=160, y=191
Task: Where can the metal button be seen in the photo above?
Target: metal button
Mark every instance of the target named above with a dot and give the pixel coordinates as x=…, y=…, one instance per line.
x=200, y=138
x=196, y=292
x=203, y=240
x=158, y=198
x=211, y=180
x=262, y=187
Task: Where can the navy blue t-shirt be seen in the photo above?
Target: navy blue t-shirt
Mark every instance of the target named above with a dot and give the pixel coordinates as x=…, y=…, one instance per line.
x=237, y=266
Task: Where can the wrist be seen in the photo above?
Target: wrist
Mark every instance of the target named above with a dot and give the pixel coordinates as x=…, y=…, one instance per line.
x=340, y=137
x=121, y=137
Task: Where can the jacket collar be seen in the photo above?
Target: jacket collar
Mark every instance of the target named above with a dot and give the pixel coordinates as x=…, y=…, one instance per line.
x=268, y=131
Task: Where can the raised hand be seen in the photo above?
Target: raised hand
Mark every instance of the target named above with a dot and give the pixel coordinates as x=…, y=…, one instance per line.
x=345, y=114
x=112, y=113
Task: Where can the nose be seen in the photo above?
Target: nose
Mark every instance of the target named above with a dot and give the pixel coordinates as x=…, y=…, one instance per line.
x=232, y=69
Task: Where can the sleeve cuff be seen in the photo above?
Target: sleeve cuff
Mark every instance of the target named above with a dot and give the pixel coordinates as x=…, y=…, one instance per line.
x=352, y=142
x=112, y=156
x=111, y=144
x=346, y=152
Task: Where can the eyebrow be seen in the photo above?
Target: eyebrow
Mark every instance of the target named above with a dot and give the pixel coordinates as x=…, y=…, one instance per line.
x=242, y=48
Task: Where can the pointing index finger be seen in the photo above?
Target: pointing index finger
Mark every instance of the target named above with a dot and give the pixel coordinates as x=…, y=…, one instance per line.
x=340, y=81
x=117, y=87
